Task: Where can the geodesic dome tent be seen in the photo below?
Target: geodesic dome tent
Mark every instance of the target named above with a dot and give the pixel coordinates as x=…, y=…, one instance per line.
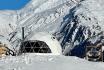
x=41, y=43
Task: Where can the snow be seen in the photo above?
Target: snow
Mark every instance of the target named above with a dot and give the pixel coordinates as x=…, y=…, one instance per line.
x=48, y=62
x=7, y=23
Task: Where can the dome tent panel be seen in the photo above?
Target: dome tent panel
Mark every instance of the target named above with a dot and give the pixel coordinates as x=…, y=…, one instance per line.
x=34, y=46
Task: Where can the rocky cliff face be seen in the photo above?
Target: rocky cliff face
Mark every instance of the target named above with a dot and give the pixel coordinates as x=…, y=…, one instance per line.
x=82, y=27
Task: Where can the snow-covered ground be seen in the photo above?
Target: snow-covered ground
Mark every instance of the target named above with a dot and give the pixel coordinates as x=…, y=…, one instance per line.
x=48, y=62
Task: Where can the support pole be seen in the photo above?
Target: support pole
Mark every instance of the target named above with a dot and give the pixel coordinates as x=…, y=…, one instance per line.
x=23, y=37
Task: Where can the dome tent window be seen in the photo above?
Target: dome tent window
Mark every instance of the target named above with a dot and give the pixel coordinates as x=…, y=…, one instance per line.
x=34, y=46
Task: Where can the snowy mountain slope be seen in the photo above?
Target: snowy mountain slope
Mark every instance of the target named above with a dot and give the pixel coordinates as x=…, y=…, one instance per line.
x=48, y=20
x=34, y=18
x=82, y=26
x=44, y=62
x=38, y=6
x=7, y=22
x=74, y=22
